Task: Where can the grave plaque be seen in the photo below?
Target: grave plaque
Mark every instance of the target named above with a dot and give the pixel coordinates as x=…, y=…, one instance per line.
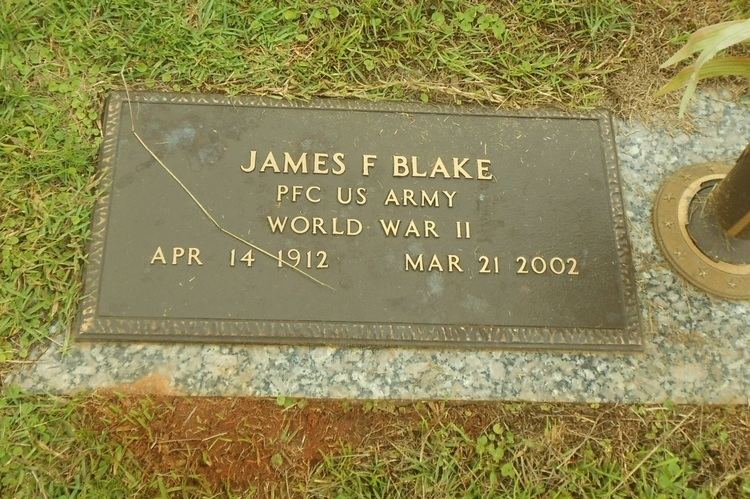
x=252, y=220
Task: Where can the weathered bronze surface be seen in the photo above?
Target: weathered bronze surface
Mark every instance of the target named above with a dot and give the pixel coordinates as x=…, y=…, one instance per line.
x=731, y=199
x=707, y=233
x=692, y=240
x=511, y=230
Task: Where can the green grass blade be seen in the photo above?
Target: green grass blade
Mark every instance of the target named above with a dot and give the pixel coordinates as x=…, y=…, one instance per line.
x=705, y=37
x=722, y=39
x=722, y=66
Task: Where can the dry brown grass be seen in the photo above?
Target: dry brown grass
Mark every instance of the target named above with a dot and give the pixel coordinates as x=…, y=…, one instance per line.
x=660, y=24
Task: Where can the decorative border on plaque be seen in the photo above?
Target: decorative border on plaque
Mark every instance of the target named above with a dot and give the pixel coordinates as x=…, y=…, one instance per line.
x=90, y=326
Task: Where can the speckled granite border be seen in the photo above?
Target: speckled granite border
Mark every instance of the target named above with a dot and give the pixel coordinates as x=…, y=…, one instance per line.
x=697, y=349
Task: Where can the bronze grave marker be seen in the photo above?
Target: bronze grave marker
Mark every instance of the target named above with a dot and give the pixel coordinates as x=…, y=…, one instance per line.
x=242, y=219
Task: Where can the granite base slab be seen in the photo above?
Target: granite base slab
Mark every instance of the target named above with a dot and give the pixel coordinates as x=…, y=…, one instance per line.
x=697, y=348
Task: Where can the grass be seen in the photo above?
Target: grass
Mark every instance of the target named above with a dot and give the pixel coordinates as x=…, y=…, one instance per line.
x=49, y=449
x=565, y=455
x=46, y=452
x=59, y=58
x=170, y=447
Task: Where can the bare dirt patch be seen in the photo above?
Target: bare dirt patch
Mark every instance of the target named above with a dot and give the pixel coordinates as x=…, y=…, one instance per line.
x=240, y=443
